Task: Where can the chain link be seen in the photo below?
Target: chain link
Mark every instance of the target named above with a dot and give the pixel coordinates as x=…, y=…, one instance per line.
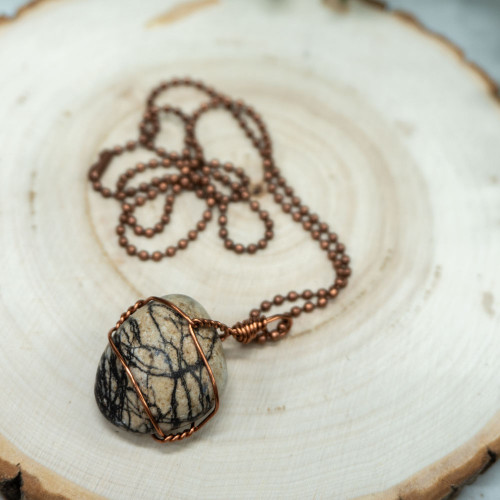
x=191, y=171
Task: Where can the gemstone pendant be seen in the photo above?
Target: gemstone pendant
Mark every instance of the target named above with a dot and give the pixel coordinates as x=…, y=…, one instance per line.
x=161, y=349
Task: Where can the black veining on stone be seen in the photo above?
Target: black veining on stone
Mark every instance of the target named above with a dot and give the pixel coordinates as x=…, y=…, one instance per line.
x=164, y=358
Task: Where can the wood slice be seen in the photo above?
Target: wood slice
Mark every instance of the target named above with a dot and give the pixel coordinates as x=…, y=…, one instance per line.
x=392, y=391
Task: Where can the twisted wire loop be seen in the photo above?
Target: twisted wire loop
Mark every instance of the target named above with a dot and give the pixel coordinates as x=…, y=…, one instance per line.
x=159, y=435
x=248, y=330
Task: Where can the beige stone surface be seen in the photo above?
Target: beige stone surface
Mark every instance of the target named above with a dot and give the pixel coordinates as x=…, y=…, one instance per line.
x=161, y=354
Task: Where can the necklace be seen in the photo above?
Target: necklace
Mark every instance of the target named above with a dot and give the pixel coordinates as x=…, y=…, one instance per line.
x=164, y=367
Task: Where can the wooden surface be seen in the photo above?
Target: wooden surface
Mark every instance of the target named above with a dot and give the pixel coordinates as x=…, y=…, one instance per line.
x=381, y=128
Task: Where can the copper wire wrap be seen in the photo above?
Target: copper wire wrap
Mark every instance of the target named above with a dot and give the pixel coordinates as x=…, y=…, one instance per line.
x=243, y=332
x=192, y=324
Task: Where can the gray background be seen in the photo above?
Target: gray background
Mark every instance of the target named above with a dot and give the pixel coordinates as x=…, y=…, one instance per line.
x=475, y=27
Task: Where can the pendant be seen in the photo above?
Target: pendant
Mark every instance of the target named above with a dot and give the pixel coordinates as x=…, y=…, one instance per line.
x=162, y=372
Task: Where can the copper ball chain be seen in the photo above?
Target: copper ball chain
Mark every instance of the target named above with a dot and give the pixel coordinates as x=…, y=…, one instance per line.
x=192, y=172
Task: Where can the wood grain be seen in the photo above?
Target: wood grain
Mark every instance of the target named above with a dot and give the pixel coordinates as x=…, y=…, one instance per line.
x=382, y=129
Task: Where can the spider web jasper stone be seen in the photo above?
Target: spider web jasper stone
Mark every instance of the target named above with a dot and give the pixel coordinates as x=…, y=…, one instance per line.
x=159, y=350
